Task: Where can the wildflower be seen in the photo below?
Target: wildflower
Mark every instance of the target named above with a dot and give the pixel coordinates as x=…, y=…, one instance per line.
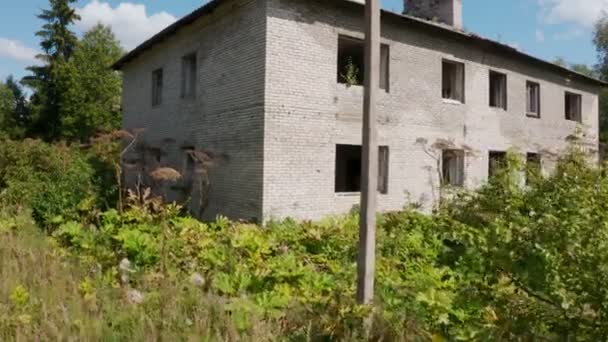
x=134, y=296
x=197, y=279
x=125, y=266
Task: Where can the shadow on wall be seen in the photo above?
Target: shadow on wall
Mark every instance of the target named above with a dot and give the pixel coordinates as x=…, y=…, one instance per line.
x=184, y=180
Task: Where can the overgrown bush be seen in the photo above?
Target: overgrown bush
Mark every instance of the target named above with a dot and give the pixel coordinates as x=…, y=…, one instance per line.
x=301, y=274
x=531, y=258
x=56, y=181
x=506, y=262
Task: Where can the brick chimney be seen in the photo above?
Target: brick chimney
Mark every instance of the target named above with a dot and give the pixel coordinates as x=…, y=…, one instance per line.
x=445, y=11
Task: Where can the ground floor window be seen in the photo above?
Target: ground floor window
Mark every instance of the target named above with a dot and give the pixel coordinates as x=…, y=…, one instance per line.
x=348, y=168
x=497, y=161
x=533, y=166
x=452, y=167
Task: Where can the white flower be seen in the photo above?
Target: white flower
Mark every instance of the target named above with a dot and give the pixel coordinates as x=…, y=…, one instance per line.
x=197, y=279
x=134, y=296
x=125, y=266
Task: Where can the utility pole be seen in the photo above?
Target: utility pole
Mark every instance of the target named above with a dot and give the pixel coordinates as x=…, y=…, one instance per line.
x=369, y=162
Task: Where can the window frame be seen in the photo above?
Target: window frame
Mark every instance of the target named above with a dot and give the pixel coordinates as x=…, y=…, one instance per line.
x=189, y=77
x=460, y=70
x=501, y=155
x=459, y=156
x=579, y=114
x=530, y=158
x=504, y=97
x=384, y=67
x=383, y=168
x=157, y=87
x=529, y=113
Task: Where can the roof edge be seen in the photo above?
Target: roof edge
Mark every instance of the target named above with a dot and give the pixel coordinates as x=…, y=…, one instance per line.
x=206, y=9
x=443, y=28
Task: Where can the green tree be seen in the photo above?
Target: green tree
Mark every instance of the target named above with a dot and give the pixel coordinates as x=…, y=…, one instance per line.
x=58, y=44
x=600, y=40
x=561, y=62
x=90, y=89
x=7, y=106
x=20, y=112
x=583, y=69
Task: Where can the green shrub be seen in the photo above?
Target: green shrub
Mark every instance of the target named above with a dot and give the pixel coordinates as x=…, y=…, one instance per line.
x=57, y=182
x=531, y=258
x=301, y=273
x=506, y=262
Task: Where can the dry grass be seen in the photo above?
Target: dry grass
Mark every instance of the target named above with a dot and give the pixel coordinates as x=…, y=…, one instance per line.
x=45, y=296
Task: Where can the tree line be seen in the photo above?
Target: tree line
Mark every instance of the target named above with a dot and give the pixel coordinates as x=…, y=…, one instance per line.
x=74, y=91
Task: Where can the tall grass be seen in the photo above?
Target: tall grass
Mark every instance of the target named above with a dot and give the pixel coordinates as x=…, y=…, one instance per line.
x=46, y=296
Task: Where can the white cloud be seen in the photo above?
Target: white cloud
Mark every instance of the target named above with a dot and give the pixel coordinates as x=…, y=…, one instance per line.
x=130, y=22
x=17, y=51
x=580, y=12
x=540, y=36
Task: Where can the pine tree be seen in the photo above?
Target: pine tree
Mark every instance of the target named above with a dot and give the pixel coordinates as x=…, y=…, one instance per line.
x=21, y=108
x=58, y=44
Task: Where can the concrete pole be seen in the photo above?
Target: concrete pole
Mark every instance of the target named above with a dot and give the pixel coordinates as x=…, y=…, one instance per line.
x=369, y=168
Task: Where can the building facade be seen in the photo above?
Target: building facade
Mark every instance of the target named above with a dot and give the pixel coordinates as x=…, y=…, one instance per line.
x=272, y=89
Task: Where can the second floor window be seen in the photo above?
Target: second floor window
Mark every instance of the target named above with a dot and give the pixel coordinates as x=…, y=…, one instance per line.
x=573, y=107
x=498, y=90
x=533, y=99
x=189, y=78
x=452, y=81
x=157, y=87
x=351, y=62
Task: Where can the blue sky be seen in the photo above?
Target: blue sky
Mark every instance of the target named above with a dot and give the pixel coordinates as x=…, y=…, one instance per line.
x=543, y=28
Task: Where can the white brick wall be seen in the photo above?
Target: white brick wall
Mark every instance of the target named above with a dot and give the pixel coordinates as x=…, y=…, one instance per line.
x=308, y=113
x=227, y=116
x=269, y=104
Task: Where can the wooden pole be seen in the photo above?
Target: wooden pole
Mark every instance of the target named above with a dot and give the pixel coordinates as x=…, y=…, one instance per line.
x=369, y=161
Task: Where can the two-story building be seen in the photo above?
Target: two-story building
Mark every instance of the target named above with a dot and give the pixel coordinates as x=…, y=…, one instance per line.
x=271, y=87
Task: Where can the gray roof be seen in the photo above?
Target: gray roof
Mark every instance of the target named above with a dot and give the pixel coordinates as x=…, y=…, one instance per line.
x=436, y=27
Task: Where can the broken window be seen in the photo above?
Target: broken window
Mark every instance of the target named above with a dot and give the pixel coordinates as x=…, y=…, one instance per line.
x=351, y=62
x=497, y=162
x=189, y=79
x=157, y=87
x=498, y=90
x=452, y=167
x=348, y=168
x=573, y=107
x=452, y=81
x=533, y=166
x=533, y=99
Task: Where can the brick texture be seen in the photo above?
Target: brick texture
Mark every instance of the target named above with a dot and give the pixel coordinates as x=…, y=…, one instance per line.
x=269, y=106
x=227, y=115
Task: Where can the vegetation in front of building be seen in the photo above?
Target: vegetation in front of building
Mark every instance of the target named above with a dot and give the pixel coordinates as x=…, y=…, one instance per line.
x=502, y=263
x=80, y=259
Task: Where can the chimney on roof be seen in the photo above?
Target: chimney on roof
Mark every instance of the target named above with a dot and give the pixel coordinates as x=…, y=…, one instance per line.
x=445, y=11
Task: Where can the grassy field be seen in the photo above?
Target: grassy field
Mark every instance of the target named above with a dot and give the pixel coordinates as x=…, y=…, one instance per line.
x=46, y=296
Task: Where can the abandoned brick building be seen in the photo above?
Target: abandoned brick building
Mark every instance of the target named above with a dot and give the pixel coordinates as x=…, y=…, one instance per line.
x=271, y=88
